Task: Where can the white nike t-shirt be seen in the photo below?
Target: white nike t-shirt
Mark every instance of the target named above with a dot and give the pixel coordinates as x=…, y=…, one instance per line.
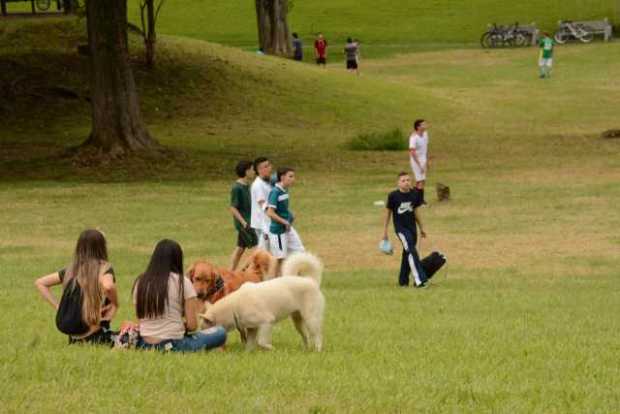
x=260, y=192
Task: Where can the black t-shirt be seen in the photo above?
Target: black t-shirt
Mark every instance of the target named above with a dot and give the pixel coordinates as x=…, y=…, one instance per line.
x=403, y=206
x=62, y=272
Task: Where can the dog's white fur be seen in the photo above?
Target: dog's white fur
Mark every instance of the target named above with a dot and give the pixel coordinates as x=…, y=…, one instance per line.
x=256, y=307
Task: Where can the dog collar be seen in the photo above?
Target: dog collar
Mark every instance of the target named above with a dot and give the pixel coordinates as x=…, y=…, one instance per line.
x=219, y=285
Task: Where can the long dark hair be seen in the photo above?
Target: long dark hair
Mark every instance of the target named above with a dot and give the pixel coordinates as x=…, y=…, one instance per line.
x=152, y=285
x=89, y=260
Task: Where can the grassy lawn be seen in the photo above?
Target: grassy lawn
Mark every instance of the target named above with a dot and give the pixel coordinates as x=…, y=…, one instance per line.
x=523, y=319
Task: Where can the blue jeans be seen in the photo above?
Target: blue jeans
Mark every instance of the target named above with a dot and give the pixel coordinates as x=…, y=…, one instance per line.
x=199, y=341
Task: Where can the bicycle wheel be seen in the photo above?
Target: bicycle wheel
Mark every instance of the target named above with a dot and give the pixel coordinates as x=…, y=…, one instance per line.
x=43, y=5
x=521, y=40
x=496, y=40
x=561, y=37
x=586, y=34
x=485, y=40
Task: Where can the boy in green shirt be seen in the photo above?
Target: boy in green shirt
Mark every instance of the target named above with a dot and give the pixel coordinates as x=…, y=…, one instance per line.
x=283, y=238
x=241, y=210
x=545, y=60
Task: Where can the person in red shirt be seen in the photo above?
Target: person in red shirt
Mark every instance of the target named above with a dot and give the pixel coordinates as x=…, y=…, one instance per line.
x=320, y=50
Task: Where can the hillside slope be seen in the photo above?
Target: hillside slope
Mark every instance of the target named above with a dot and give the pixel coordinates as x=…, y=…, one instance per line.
x=202, y=98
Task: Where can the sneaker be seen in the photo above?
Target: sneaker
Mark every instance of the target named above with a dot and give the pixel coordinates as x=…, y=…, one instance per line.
x=422, y=286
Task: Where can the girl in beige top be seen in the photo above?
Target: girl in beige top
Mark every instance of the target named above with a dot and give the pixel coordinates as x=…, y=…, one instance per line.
x=167, y=307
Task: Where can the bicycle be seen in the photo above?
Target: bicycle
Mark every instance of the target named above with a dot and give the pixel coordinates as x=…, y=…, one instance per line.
x=571, y=31
x=523, y=37
x=494, y=37
x=41, y=5
x=498, y=36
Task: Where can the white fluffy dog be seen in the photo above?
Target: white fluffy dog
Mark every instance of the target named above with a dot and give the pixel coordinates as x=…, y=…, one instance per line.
x=256, y=307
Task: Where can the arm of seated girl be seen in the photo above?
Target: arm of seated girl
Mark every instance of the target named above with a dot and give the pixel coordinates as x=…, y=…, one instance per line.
x=44, y=284
x=191, y=314
x=110, y=292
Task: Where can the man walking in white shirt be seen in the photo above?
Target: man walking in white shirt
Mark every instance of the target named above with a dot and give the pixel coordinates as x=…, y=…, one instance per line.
x=261, y=187
x=418, y=154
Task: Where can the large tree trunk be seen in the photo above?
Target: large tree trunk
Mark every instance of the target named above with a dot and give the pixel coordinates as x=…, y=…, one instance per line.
x=262, y=20
x=273, y=32
x=150, y=37
x=148, y=28
x=117, y=125
x=67, y=6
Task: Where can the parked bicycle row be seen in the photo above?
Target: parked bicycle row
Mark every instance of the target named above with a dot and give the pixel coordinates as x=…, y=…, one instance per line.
x=518, y=36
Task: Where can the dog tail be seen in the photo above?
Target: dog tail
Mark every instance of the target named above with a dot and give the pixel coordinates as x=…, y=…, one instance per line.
x=303, y=264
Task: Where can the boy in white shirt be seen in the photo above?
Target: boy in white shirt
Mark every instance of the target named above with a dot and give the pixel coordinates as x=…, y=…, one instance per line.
x=418, y=154
x=261, y=187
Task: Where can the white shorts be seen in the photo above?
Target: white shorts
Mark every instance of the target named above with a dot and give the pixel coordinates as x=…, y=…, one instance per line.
x=419, y=175
x=545, y=62
x=280, y=245
x=263, y=239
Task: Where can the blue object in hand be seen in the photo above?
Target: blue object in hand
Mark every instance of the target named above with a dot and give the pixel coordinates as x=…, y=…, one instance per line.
x=386, y=247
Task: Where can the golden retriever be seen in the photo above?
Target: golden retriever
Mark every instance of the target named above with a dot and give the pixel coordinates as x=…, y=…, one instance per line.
x=213, y=283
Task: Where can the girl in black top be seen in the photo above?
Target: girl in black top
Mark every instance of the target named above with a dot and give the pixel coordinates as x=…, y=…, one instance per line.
x=89, y=299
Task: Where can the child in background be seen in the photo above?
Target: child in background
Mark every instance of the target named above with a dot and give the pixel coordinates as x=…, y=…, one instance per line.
x=282, y=236
x=241, y=210
x=545, y=60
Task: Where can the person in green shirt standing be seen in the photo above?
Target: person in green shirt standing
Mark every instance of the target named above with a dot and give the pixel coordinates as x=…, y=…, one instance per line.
x=283, y=238
x=545, y=60
x=241, y=210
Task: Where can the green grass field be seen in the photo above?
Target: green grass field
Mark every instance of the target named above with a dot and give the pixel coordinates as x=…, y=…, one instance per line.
x=523, y=318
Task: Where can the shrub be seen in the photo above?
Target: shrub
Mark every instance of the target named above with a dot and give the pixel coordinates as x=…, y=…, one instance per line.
x=393, y=140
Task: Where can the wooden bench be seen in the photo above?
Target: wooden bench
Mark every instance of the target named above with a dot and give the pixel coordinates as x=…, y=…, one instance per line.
x=599, y=27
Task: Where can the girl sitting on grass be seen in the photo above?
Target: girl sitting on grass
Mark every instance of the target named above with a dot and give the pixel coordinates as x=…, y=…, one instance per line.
x=89, y=299
x=167, y=307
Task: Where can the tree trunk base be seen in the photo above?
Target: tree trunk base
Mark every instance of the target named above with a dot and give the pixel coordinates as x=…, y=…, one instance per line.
x=90, y=153
x=117, y=125
x=273, y=31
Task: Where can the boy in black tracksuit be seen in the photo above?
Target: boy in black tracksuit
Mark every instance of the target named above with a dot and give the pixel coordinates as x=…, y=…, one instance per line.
x=402, y=205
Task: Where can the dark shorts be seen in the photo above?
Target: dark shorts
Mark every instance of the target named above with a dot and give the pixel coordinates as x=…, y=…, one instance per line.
x=102, y=337
x=351, y=64
x=246, y=238
x=321, y=61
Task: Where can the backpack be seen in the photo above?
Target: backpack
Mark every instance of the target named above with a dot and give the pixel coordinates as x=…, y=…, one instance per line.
x=69, y=316
x=432, y=263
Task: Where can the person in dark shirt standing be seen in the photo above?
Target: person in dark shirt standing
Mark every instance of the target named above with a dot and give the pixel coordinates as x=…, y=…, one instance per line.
x=298, y=48
x=320, y=50
x=241, y=210
x=402, y=205
x=351, y=54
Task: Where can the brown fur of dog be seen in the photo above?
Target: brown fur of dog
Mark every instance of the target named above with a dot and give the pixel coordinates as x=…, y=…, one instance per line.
x=260, y=266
